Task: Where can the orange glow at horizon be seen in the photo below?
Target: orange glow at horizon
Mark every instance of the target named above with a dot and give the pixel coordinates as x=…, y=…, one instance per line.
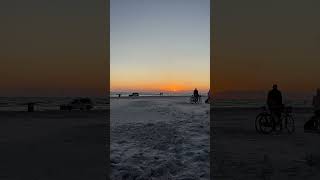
x=170, y=87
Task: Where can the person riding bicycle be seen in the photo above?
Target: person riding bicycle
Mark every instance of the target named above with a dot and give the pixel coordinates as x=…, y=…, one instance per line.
x=274, y=102
x=196, y=95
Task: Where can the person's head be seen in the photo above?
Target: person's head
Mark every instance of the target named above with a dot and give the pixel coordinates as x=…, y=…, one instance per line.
x=275, y=87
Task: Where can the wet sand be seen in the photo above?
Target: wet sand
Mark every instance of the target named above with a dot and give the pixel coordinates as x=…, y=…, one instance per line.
x=53, y=145
x=241, y=153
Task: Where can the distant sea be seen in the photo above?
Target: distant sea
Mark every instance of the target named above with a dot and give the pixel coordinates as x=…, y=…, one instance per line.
x=253, y=103
x=44, y=103
x=53, y=103
x=126, y=94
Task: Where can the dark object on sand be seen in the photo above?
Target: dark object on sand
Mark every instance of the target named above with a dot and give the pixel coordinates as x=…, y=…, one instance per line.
x=313, y=124
x=119, y=95
x=30, y=107
x=135, y=94
x=208, y=101
x=80, y=103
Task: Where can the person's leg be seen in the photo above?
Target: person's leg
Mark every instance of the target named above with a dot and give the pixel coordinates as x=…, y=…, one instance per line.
x=276, y=115
x=279, y=119
x=275, y=119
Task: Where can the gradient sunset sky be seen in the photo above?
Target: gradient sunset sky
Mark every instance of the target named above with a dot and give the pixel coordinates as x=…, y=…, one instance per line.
x=160, y=45
x=258, y=43
x=53, y=48
x=58, y=47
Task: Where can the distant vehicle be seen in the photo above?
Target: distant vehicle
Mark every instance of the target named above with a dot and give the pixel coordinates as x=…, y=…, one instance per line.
x=134, y=94
x=80, y=103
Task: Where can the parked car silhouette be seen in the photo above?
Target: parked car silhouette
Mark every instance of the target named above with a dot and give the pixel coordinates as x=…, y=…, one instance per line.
x=134, y=94
x=80, y=103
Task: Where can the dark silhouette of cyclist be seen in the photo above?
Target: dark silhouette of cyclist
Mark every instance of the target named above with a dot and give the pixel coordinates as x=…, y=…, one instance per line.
x=275, y=105
x=196, y=94
x=209, y=97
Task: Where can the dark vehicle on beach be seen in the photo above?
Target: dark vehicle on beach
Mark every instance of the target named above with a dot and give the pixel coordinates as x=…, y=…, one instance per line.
x=80, y=103
x=266, y=123
x=134, y=94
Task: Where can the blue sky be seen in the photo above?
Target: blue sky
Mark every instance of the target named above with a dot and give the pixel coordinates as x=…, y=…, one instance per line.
x=160, y=44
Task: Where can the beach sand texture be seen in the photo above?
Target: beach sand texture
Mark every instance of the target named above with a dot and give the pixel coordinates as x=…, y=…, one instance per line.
x=159, y=138
x=53, y=145
x=241, y=153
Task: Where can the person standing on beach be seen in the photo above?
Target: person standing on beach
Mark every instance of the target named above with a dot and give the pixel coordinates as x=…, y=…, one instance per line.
x=274, y=102
x=313, y=123
x=316, y=102
x=209, y=97
x=196, y=94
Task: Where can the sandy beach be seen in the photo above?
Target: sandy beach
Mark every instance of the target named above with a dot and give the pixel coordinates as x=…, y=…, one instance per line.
x=241, y=153
x=53, y=145
x=159, y=138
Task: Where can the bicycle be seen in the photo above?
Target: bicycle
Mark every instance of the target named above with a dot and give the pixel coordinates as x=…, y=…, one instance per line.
x=195, y=100
x=265, y=122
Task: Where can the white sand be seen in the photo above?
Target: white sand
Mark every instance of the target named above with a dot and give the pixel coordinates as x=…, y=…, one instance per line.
x=159, y=138
x=241, y=153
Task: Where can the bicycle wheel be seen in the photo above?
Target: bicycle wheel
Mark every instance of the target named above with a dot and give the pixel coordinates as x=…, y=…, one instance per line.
x=191, y=100
x=289, y=123
x=266, y=124
x=257, y=122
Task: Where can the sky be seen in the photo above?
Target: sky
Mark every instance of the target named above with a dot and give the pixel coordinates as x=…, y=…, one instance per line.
x=53, y=48
x=259, y=43
x=160, y=45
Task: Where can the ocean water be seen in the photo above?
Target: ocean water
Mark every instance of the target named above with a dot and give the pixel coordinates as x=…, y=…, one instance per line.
x=253, y=103
x=144, y=94
x=44, y=103
x=100, y=103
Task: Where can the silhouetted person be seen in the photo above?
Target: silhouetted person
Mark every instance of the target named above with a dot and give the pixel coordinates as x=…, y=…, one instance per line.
x=316, y=102
x=275, y=105
x=196, y=94
x=313, y=123
x=31, y=107
x=209, y=97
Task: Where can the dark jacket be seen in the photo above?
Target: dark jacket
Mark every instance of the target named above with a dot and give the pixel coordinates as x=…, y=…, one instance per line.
x=195, y=93
x=274, y=99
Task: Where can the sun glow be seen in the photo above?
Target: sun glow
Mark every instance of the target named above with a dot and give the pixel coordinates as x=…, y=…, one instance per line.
x=174, y=88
